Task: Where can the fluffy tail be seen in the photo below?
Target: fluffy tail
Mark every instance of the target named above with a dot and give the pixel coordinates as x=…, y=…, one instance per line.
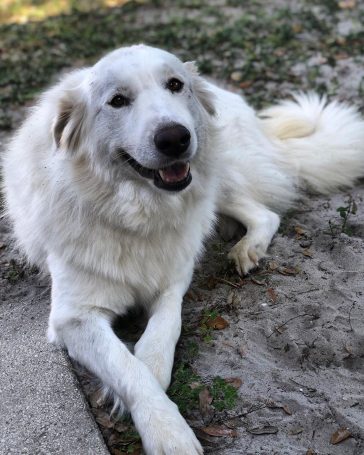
x=324, y=142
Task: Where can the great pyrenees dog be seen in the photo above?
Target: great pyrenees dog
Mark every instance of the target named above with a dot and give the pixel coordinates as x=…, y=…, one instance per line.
x=112, y=184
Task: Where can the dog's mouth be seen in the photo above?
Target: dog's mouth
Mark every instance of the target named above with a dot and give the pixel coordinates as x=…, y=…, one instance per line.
x=175, y=177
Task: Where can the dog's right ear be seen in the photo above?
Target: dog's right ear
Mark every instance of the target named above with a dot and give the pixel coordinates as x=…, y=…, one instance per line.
x=70, y=119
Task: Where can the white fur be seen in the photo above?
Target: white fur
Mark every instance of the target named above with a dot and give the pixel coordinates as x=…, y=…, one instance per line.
x=110, y=239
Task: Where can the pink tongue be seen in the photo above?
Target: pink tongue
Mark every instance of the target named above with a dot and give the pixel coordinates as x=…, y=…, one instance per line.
x=174, y=173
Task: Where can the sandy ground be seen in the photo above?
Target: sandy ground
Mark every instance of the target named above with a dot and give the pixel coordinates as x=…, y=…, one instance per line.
x=295, y=340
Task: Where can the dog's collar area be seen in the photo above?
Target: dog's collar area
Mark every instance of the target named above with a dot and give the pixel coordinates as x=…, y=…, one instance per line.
x=175, y=177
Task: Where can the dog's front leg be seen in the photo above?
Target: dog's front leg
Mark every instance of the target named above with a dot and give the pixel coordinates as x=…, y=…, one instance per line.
x=81, y=321
x=157, y=345
x=261, y=225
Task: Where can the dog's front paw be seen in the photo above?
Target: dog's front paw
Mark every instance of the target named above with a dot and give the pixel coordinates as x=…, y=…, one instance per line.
x=164, y=431
x=246, y=255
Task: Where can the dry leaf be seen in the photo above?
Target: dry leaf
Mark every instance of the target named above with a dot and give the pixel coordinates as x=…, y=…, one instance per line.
x=299, y=232
x=287, y=410
x=272, y=265
x=245, y=84
x=235, y=422
x=103, y=419
x=340, y=435
x=235, y=382
x=347, y=4
x=219, y=431
x=272, y=294
x=258, y=282
x=273, y=405
x=241, y=351
x=218, y=323
x=297, y=27
x=120, y=427
x=296, y=431
x=307, y=252
x=266, y=429
x=310, y=452
x=288, y=271
x=205, y=400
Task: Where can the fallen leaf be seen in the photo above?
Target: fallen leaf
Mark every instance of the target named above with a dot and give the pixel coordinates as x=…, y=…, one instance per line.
x=235, y=382
x=272, y=265
x=217, y=323
x=258, y=282
x=293, y=271
x=241, y=351
x=296, y=431
x=347, y=4
x=219, y=431
x=245, y=84
x=271, y=404
x=297, y=28
x=235, y=422
x=341, y=56
x=96, y=400
x=340, y=435
x=205, y=400
x=233, y=299
x=103, y=419
x=310, y=452
x=287, y=410
x=266, y=429
x=299, y=231
x=120, y=427
x=307, y=252
x=272, y=294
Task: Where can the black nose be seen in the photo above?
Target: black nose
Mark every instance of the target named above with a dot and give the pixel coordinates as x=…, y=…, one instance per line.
x=172, y=140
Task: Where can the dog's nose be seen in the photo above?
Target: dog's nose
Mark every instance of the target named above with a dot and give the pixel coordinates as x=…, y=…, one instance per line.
x=172, y=140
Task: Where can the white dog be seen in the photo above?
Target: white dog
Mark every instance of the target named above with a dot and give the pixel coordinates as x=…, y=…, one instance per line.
x=112, y=184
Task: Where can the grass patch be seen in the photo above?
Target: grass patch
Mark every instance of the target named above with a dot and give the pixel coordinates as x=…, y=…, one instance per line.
x=186, y=387
x=261, y=44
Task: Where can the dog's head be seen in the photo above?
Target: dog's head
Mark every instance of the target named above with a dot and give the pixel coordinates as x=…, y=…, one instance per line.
x=137, y=113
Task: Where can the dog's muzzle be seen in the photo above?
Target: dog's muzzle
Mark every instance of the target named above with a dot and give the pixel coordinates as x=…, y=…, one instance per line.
x=175, y=177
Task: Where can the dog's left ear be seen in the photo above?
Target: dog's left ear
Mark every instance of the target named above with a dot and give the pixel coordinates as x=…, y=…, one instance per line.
x=201, y=89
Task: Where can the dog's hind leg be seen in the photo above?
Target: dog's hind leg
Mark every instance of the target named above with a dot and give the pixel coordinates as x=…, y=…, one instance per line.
x=157, y=345
x=81, y=321
x=261, y=225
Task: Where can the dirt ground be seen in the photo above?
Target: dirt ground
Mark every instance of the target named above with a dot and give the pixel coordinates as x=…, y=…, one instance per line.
x=271, y=363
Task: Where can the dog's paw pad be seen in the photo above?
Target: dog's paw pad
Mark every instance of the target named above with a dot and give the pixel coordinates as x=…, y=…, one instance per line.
x=246, y=256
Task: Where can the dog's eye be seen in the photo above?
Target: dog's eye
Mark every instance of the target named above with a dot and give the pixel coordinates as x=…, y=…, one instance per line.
x=119, y=101
x=174, y=85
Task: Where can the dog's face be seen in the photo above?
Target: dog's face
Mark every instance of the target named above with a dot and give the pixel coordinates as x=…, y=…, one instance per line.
x=139, y=112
